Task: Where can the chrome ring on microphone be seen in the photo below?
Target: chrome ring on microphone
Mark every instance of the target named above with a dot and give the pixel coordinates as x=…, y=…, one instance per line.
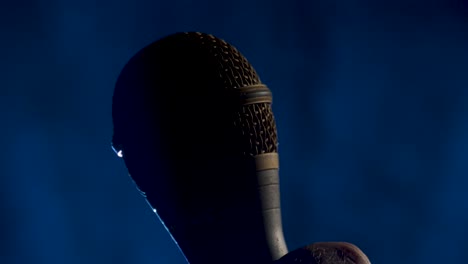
x=254, y=94
x=266, y=161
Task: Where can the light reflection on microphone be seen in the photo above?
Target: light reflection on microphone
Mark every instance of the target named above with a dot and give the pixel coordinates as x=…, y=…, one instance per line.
x=119, y=152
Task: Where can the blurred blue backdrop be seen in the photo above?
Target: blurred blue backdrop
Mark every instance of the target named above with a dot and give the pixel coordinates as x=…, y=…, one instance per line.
x=370, y=100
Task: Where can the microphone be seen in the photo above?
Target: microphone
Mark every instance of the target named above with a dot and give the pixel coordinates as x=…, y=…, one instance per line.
x=194, y=125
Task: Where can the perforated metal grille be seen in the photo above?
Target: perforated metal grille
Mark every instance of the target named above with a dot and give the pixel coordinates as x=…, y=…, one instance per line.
x=255, y=122
x=258, y=129
x=234, y=69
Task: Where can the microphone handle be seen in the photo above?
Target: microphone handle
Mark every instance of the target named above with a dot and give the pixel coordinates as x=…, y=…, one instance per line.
x=269, y=194
x=267, y=166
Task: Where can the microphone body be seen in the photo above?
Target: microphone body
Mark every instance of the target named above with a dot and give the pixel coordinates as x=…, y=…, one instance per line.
x=194, y=125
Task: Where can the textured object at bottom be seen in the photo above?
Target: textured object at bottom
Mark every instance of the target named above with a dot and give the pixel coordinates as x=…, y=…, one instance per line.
x=325, y=253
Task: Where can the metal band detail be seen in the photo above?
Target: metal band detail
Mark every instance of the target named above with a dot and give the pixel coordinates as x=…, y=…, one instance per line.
x=266, y=161
x=255, y=94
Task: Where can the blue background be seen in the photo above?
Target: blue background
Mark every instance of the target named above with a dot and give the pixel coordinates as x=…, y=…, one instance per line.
x=369, y=96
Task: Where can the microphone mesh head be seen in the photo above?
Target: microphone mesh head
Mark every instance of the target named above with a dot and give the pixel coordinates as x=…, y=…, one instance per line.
x=166, y=72
x=255, y=122
x=258, y=128
x=234, y=69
